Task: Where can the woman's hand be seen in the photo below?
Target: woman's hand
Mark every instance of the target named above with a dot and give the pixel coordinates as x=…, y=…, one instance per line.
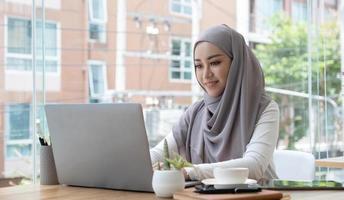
x=156, y=166
x=186, y=176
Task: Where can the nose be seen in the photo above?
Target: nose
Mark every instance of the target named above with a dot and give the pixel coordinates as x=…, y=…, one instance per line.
x=207, y=72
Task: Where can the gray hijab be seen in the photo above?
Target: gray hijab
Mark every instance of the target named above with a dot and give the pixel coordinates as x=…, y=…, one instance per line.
x=218, y=129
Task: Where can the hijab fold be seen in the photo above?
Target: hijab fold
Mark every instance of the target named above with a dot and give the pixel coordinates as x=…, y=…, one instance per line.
x=219, y=128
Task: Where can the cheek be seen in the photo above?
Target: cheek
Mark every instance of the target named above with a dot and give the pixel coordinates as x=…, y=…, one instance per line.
x=224, y=73
x=224, y=76
x=198, y=75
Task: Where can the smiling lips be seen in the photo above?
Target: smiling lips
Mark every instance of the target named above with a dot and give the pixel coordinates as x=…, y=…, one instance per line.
x=211, y=83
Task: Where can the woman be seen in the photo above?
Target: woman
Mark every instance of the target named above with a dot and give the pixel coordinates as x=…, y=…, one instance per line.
x=236, y=123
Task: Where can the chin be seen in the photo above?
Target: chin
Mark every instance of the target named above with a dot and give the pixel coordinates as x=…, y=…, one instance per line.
x=213, y=94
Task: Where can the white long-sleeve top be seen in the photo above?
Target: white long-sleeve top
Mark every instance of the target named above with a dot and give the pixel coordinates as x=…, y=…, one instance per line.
x=257, y=157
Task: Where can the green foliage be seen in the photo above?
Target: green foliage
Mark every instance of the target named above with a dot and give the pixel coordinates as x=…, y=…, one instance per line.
x=178, y=162
x=285, y=62
x=167, y=165
x=285, y=59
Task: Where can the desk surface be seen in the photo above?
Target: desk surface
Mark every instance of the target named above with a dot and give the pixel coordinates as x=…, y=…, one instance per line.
x=56, y=192
x=337, y=162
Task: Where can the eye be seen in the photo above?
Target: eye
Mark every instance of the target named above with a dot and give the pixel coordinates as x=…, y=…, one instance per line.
x=198, y=66
x=217, y=62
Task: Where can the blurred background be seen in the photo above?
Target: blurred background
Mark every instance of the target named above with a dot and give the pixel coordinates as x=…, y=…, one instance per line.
x=107, y=51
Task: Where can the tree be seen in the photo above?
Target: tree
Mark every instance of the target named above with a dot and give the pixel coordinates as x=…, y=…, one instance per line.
x=285, y=62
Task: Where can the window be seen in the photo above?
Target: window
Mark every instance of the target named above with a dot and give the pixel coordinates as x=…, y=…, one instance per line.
x=51, y=50
x=180, y=66
x=18, y=150
x=264, y=9
x=18, y=122
x=97, y=20
x=183, y=7
x=299, y=11
x=17, y=131
x=19, y=36
x=97, y=78
x=19, y=47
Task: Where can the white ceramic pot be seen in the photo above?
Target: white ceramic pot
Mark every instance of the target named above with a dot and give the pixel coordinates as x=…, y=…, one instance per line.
x=167, y=182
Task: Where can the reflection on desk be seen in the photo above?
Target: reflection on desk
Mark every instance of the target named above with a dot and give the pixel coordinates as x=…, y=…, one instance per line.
x=337, y=162
x=57, y=192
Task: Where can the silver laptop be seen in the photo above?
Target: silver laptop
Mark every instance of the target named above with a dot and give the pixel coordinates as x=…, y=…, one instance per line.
x=100, y=145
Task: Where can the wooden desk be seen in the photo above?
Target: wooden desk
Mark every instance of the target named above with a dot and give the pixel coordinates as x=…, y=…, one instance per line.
x=337, y=162
x=56, y=192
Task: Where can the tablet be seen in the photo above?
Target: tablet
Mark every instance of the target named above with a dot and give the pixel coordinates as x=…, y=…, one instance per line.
x=278, y=184
x=234, y=188
x=192, y=183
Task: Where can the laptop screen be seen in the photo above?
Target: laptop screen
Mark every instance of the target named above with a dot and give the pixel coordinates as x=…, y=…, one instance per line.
x=100, y=145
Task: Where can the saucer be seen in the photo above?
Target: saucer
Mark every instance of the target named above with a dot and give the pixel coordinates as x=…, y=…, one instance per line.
x=221, y=185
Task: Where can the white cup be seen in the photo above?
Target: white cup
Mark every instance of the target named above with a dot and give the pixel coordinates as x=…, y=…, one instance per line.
x=230, y=175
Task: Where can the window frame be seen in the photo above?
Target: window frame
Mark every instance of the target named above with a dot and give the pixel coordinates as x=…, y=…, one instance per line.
x=260, y=24
x=98, y=22
x=182, y=4
x=181, y=58
x=8, y=123
x=296, y=7
x=19, y=142
x=8, y=141
x=29, y=56
x=90, y=10
x=90, y=77
x=102, y=34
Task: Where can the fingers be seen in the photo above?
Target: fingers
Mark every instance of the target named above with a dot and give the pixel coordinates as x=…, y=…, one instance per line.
x=157, y=166
x=186, y=176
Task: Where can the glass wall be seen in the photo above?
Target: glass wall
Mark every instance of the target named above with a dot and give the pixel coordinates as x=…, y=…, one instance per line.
x=107, y=51
x=302, y=65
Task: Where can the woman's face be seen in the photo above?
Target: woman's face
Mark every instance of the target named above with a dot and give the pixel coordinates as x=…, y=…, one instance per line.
x=212, y=67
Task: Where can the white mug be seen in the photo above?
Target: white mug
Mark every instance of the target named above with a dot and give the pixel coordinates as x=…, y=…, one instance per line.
x=226, y=175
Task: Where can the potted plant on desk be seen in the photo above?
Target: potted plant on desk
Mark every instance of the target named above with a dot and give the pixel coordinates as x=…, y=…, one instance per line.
x=170, y=178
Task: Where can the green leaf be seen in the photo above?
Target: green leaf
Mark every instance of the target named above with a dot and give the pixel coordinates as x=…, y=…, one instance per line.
x=178, y=162
x=167, y=165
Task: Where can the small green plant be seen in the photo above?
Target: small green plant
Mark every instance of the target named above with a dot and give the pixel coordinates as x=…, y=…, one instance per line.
x=178, y=162
x=167, y=165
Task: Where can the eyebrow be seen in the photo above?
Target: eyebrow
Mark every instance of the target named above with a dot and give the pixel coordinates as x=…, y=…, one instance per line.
x=210, y=57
